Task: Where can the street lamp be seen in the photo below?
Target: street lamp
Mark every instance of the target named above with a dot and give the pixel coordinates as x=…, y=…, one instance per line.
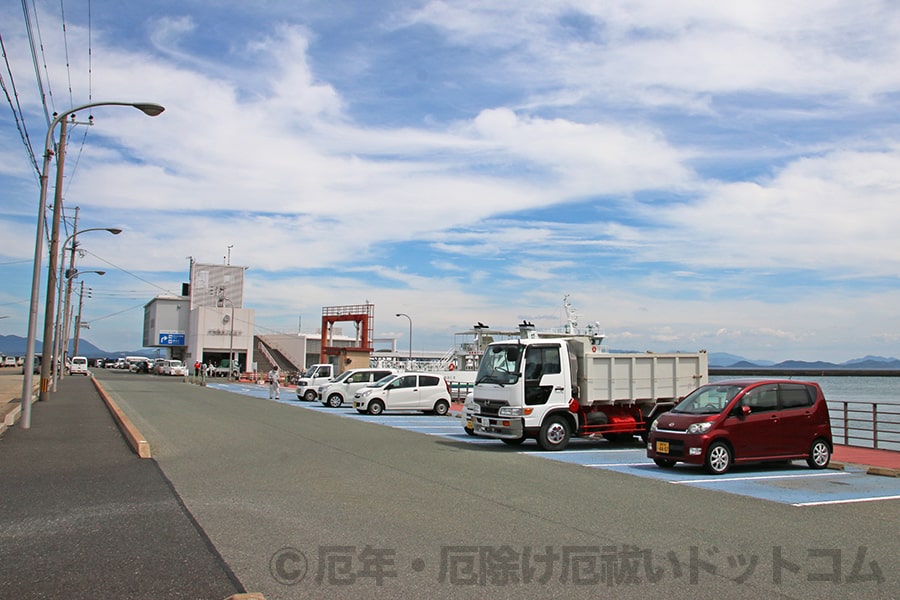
x=61, y=341
x=148, y=109
x=409, y=366
x=223, y=300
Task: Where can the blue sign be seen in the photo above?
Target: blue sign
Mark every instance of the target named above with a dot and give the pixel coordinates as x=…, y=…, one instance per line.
x=171, y=339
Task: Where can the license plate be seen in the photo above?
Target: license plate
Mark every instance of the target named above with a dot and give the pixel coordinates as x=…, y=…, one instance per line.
x=662, y=447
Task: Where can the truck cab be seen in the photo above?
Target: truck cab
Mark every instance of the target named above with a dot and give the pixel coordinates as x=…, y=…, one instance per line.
x=315, y=376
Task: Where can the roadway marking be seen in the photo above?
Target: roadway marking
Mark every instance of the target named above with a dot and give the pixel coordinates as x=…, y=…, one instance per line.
x=720, y=479
x=846, y=501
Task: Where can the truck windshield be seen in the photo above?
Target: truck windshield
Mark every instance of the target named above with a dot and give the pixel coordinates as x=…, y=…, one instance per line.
x=708, y=400
x=500, y=364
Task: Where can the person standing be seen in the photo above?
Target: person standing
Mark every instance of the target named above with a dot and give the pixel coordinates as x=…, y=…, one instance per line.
x=273, y=383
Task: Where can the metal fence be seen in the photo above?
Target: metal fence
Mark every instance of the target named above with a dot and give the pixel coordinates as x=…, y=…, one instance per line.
x=865, y=424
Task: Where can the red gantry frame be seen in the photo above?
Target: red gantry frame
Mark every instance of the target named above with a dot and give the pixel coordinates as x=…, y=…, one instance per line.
x=361, y=314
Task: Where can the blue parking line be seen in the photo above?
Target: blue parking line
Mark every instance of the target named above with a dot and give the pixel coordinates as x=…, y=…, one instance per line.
x=794, y=483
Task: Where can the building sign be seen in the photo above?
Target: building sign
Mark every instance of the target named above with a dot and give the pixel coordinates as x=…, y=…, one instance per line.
x=170, y=338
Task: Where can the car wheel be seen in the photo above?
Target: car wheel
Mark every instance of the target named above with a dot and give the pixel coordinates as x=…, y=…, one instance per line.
x=665, y=463
x=360, y=411
x=335, y=401
x=819, y=455
x=554, y=433
x=376, y=407
x=718, y=458
x=619, y=438
x=441, y=407
x=310, y=395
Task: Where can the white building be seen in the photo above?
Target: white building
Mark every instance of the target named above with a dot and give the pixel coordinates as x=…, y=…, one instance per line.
x=208, y=322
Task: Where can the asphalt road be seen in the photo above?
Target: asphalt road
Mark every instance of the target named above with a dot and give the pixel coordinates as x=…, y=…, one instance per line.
x=303, y=504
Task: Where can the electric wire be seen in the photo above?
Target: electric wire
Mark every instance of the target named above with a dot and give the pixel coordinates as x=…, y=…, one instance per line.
x=62, y=14
x=16, y=108
x=33, y=45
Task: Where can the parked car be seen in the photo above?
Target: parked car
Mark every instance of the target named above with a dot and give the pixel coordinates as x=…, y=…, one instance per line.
x=409, y=391
x=174, y=367
x=9, y=361
x=740, y=421
x=343, y=388
x=78, y=366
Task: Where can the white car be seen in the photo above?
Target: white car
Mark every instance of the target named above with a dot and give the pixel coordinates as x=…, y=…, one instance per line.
x=174, y=367
x=78, y=366
x=409, y=391
x=345, y=386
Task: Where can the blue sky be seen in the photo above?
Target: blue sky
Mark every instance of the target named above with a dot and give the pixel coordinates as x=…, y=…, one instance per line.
x=694, y=175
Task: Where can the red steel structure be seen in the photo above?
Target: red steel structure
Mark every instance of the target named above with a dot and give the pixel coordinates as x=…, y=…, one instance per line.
x=363, y=315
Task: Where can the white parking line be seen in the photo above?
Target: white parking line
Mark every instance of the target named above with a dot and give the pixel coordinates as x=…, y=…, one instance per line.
x=757, y=478
x=608, y=465
x=847, y=501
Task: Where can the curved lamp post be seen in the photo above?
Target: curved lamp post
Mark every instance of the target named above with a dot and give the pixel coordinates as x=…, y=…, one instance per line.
x=148, y=109
x=409, y=366
x=61, y=340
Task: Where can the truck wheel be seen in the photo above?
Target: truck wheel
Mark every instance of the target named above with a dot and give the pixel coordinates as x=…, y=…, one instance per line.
x=376, y=407
x=554, y=433
x=310, y=395
x=441, y=407
x=718, y=458
x=819, y=455
x=335, y=401
x=514, y=442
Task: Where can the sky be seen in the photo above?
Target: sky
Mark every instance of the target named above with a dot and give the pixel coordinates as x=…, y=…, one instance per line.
x=693, y=175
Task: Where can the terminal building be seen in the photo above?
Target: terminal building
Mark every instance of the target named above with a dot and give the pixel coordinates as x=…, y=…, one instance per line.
x=209, y=323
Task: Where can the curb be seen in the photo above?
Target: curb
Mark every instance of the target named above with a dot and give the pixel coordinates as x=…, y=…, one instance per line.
x=134, y=438
x=15, y=413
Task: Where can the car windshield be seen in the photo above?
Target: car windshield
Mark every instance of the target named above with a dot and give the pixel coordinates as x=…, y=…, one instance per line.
x=708, y=400
x=383, y=381
x=500, y=364
x=342, y=376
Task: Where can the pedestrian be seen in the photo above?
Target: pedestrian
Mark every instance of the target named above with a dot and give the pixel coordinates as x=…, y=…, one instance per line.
x=273, y=383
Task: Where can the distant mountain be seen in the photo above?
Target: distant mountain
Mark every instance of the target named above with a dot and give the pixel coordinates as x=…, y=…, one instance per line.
x=723, y=360
x=14, y=345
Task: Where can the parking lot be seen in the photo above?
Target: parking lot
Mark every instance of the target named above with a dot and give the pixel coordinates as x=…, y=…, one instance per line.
x=794, y=483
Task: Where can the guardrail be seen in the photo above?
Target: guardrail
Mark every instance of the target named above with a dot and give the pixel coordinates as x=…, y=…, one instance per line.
x=865, y=424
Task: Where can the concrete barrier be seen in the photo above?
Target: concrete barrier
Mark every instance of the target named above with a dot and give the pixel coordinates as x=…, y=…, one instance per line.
x=134, y=438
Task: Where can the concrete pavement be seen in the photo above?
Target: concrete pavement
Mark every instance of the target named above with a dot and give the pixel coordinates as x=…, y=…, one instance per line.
x=81, y=516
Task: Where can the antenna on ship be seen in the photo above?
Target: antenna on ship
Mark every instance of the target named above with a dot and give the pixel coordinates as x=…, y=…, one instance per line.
x=571, y=317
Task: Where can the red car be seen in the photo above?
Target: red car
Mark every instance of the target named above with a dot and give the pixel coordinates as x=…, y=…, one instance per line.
x=740, y=421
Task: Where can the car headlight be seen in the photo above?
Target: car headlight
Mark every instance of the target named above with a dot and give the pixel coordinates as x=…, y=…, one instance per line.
x=698, y=428
x=513, y=411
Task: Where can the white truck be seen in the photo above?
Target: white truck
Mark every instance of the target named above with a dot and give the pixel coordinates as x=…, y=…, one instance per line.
x=553, y=389
x=308, y=384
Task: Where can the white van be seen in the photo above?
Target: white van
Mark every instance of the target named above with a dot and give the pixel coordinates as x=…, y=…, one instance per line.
x=79, y=366
x=308, y=384
x=346, y=384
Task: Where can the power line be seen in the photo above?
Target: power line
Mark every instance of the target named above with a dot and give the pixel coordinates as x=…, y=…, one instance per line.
x=32, y=44
x=62, y=14
x=17, y=110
